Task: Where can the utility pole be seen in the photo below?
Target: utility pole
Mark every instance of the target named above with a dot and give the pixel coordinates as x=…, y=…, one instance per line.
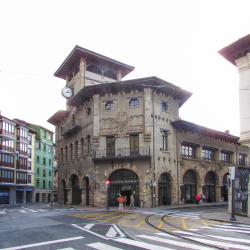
x=232, y=178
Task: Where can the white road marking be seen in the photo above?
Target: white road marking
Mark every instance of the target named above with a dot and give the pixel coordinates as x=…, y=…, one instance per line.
x=174, y=242
x=42, y=210
x=101, y=246
x=91, y=232
x=229, y=238
x=31, y=210
x=232, y=227
x=184, y=232
x=43, y=243
x=111, y=233
x=22, y=211
x=68, y=248
x=141, y=244
x=2, y=211
x=166, y=235
x=220, y=244
x=228, y=230
x=88, y=226
x=118, y=230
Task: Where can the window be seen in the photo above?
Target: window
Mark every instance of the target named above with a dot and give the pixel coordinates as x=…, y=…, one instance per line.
x=242, y=159
x=38, y=145
x=88, y=145
x=49, y=172
x=44, y=147
x=44, y=161
x=49, y=162
x=82, y=147
x=66, y=153
x=37, y=183
x=110, y=146
x=29, y=165
x=49, y=149
x=61, y=154
x=29, y=152
x=109, y=105
x=71, y=151
x=44, y=184
x=29, y=139
x=188, y=151
x=38, y=171
x=44, y=173
x=225, y=157
x=29, y=178
x=38, y=159
x=49, y=136
x=44, y=134
x=76, y=149
x=134, y=144
x=134, y=103
x=165, y=141
x=49, y=184
x=208, y=154
x=164, y=107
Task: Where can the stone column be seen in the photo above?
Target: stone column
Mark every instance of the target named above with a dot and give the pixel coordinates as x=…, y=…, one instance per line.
x=83, y=196
x=218, y=192
x=69, y=194
x=96, y=122
x=82, y=72
x=119, y=76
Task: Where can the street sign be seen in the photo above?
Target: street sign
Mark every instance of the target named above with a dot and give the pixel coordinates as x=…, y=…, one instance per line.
x=232, y=172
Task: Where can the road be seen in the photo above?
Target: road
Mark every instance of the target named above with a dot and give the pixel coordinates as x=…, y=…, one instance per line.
x=45, y=227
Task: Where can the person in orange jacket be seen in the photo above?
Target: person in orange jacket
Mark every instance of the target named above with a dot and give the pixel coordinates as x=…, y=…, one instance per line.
x=120, y=201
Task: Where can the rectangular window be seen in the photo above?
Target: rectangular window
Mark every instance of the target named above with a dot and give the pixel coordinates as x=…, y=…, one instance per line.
x=44, y=161
x=29, y=178
x=44, y=184
x=242, y=159
x=29, y=152
x=71, y=151
x=134, y=103
x=49, y=162
x=110, y=146
x=44, y=173
x=82, y=147
x=44, y=147
x=164, y=140
x=38, y=171
x=188, y=151
x=76, y=149
x=38, y=159
x=109, y=105
x=29, y=139
x=29, y=165
x=61, y=154
x=208, y=154
x=134, y=144
x=37, y=183
x=225, y=157
x=164, y=107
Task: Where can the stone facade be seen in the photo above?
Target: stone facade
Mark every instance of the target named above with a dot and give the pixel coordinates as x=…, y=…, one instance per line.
x=125, y=132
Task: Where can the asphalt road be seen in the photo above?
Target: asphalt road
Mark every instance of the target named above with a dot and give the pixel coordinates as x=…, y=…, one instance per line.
x=44, y=227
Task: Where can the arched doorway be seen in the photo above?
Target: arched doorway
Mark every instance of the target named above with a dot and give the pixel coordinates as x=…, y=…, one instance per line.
x=86, y=181
x=76, y=192
x=65, y=198
x=164, y=189
x=189, y=186
x=224, y=188
x=210, y=185
x=123, y=182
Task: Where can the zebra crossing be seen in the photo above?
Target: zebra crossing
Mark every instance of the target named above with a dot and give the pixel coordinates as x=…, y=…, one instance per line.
x=211, y=239
x=186, y=215
x=34, y=210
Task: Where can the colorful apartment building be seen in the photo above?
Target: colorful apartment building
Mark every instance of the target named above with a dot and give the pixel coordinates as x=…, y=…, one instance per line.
x=43, y=164
x=16, y=168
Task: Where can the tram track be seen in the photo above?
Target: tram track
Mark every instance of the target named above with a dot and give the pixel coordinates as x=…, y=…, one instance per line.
x=163, y=220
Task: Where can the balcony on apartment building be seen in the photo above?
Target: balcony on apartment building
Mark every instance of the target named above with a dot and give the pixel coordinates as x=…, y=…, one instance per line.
x=70, y=128
x=7, y=180
x=121, y=153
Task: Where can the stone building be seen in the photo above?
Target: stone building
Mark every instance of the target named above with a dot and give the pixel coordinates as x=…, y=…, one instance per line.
x=128, y=132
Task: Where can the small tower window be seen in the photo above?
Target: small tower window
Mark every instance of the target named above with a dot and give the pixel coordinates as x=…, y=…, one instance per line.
x=164, y=107
x=109, y=105
x=134, y=103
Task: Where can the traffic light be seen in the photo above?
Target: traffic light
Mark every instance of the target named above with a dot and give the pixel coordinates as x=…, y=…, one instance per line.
x=108, y=182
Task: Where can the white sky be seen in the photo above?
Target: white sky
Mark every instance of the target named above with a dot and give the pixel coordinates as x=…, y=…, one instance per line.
x=175, y=40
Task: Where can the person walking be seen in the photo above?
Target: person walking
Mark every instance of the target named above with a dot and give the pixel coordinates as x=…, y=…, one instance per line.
x=120, y=201
x=197, y=198
x=132, y=200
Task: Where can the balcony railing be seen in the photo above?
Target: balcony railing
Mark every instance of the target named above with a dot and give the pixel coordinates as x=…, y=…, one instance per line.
x=7, y=164
x=205, y=160
x=121, y=153
x=70, y=128
x=21, y=181
x=7, y=180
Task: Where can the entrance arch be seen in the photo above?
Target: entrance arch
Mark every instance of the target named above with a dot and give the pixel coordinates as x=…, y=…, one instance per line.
x=224, y=188
x=164, y=189
x=76, y=192
x=189, y=186
x=124, y=182
x=65, y=199
x=210, y=185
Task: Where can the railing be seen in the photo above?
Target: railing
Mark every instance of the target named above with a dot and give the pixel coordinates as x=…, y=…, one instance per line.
x=21, y=181
x=121, y=153
x=23, y=167
x=7, y=164
x=7, y=180
x=205, y=160
x=70, y=128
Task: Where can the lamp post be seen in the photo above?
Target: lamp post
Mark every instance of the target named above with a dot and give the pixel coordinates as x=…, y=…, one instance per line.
x=232, y=178
x=108, y=182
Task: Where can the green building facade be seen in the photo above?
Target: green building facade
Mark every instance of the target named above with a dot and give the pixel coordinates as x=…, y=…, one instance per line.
x=43, y=167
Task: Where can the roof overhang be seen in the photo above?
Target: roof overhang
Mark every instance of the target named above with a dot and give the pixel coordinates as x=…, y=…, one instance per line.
x=78, y=52
x=58, y=117
x=151, y=82
x=194, y=128
x=236, y=50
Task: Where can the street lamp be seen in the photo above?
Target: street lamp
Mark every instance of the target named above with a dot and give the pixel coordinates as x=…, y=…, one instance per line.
x=107, y=182
x=232, y=178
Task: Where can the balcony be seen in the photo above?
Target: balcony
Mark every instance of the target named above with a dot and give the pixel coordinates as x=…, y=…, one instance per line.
x=70, y=128
x=20, y=181
x=121, y=153
x=7, y=180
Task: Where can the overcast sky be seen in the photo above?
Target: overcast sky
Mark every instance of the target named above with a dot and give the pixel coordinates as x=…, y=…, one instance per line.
x=176, y=40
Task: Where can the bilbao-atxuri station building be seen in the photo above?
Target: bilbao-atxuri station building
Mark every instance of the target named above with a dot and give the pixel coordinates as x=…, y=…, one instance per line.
x=122, y=136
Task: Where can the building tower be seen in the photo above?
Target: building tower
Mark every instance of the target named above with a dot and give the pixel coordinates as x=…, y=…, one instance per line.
x=238, y=53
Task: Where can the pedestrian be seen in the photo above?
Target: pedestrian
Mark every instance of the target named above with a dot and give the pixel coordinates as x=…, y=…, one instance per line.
x=197, y=198
x=120, y=201
x=132, y=200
